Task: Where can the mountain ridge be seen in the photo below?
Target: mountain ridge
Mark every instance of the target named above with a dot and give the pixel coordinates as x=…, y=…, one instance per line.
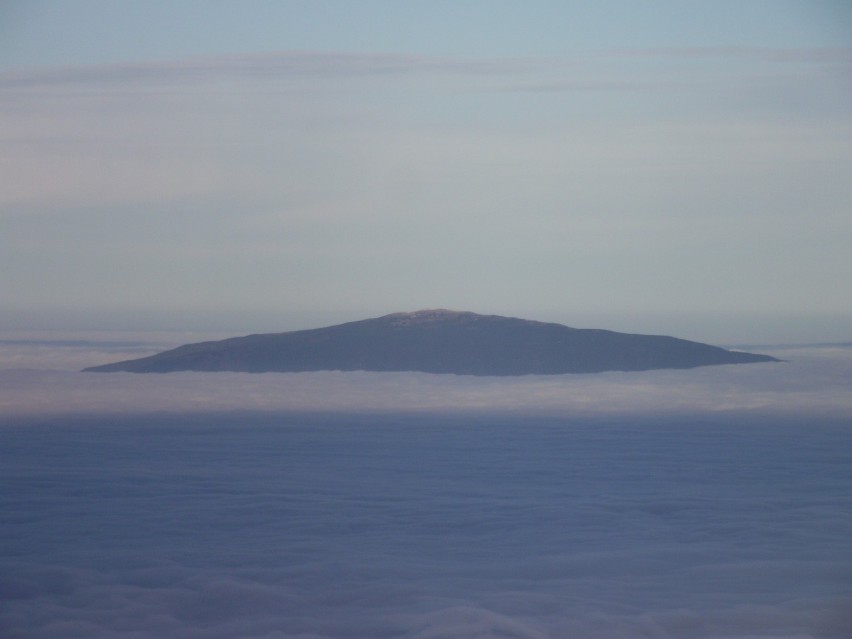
x=439, y=341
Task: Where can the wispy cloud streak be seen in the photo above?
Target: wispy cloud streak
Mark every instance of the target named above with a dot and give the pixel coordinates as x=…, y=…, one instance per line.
x=293, y=64
x=331, y=64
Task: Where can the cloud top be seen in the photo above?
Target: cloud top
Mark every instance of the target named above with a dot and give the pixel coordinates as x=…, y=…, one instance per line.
x=812, y=381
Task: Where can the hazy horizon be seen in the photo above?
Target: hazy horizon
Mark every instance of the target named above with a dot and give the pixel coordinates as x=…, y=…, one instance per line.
x=178, y=328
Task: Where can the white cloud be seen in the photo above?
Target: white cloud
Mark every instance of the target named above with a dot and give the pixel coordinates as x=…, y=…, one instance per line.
x=810, y=382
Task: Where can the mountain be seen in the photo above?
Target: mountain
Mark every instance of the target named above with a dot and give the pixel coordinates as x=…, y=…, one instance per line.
x=439, y=341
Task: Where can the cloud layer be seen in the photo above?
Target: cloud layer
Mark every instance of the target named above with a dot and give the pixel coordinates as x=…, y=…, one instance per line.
x=692, y=504
x=302, y=526
x=811, y=381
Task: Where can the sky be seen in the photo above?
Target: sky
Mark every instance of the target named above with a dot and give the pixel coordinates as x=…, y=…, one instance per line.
x=658, y=167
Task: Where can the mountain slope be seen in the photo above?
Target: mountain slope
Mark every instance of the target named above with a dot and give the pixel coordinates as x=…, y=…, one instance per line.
x=439, y=341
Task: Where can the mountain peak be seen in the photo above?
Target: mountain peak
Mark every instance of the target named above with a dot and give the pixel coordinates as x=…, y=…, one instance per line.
x=440, y=341
x=429, y=316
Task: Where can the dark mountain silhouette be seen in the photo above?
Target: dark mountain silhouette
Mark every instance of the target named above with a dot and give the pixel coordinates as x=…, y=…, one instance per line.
x=439, y=341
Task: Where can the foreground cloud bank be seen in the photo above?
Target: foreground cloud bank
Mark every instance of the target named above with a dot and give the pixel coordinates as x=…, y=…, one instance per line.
x=702, y=504
x=294, y=526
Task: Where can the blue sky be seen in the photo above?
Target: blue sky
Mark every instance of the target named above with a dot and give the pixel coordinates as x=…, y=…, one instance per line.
x=45, y=32
x=673, y=167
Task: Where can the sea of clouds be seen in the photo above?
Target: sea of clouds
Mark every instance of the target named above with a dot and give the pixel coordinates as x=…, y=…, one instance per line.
x=710, y=503
x=42, y=377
